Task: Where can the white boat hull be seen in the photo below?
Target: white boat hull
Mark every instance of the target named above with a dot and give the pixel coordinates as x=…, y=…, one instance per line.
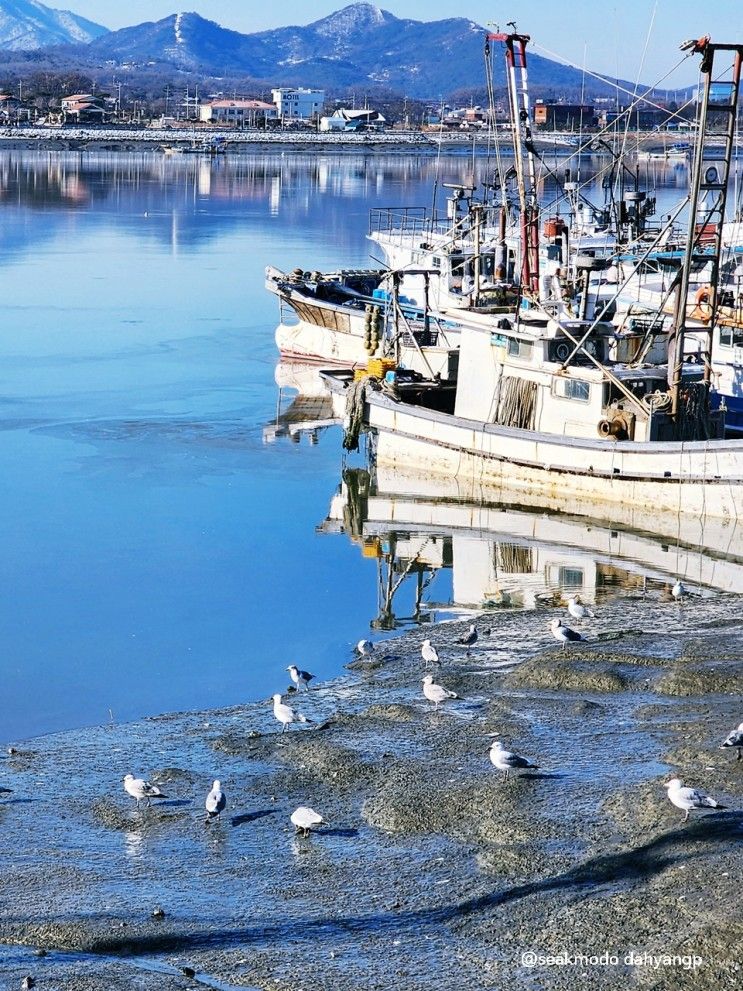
x=310, y=342
x=702, y=479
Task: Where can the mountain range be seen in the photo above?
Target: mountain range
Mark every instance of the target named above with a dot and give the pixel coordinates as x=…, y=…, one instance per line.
x=360, y=46
x=27, y=24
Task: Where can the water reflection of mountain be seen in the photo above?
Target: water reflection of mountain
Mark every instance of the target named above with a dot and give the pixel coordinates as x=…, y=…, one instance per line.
x=500, y=553
x=163, y=197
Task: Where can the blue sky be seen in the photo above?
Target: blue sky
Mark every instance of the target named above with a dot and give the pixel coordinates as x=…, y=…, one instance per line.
x=605, y=36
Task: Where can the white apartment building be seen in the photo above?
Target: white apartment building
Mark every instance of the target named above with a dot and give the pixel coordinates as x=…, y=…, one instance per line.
x=298, y=104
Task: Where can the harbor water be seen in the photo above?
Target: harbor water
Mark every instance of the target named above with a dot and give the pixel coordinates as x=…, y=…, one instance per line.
x=158, y=554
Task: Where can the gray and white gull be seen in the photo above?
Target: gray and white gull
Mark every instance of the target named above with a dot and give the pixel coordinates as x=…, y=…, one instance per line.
x=141, y=790
x=734, y=739
x=690, y=799
x=507, y=761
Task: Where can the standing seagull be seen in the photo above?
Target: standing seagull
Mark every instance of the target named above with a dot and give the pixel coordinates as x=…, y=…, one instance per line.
x=678, y=591
x=436, y=693
x=285, y=714
x=504, y=760
x=140, y=789
x=469, y=638
x=734, y=739
x=216, y=801
x=365, y=648
x=577, y=610
x=428, y=653
x=300, y=677
x=689, y=798
x=305, y=819
x=563, y=633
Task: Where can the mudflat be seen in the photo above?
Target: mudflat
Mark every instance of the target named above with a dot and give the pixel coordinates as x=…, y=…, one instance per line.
x=433, y=870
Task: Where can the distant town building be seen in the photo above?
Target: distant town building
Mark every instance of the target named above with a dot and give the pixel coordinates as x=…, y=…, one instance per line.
x=84, y=108
x=297, y=104
x=353, y=120
x=11, y=108
x=563, y=116
x=640, y=120
x=239, y=113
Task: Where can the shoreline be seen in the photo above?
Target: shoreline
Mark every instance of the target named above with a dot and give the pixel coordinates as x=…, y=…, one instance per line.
x=242, y=142
x=431, y=862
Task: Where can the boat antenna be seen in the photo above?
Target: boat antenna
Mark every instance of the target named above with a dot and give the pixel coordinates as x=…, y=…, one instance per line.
x=525, y=156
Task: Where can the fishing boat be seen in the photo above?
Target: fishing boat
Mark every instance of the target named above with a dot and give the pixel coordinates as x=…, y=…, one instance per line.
x=545, y=402
x=349, y=316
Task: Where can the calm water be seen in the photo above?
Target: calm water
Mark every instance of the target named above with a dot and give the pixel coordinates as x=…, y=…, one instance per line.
x=156, y=554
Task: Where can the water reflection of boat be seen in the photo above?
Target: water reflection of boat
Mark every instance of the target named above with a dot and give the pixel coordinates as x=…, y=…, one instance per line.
x=303, y=405
x=506, y=553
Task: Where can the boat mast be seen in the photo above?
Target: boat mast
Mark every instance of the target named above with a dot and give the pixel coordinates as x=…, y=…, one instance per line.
x=518, y=99
x=718, y=105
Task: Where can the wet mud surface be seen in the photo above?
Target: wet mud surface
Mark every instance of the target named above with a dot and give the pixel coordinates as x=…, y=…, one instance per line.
x=433, y=870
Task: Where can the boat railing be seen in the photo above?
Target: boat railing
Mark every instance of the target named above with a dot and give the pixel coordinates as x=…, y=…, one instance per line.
x=406, y=221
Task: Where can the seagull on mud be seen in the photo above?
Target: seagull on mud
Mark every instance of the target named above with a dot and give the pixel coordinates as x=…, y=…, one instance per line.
x=437, y=693
x=733, y=739
x=365, y=648
x=506, y=761
x=306, y=819
x=141, y=790
x=216, y=801
x=689, y=799
x=678, y=591
x=300, y=677
x=563, y=633
x=577, y=610
x=428, y=653
x=469, y=638
x=285, y=714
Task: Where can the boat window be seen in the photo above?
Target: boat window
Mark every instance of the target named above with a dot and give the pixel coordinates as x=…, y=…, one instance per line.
x=436, y=261
x=487, y=267
x=573, y=389
x=457, y=264
x=571, y=578
x=731, y=337
x=520, y=348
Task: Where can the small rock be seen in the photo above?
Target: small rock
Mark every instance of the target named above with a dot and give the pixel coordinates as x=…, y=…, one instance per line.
x=188, y=971
x=27, y=982
x=158, y=912
x=41, y=952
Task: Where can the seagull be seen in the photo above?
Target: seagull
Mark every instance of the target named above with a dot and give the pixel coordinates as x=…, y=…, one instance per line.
x=216, y=801
x=577, y=610
x=140, y=789
x=469, y=638
x=305, y=818
x=365, y=648
x=678, y=591
x=563, y=633
x=734, y=739
x=436, y=693
x=300, y=677
x=428, y=653
x=504, y=760
x=689, y=798
x=285, y=714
